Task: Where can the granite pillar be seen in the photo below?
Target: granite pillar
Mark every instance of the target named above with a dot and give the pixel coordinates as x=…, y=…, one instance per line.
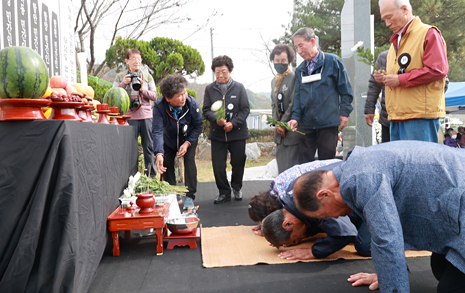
x=355, y=27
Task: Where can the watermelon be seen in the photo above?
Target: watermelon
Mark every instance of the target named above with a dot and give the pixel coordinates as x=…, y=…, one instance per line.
x=23, y=74
x=117, y=97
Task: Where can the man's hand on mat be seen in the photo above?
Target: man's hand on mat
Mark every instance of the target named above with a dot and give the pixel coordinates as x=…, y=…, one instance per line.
x=364, y=279
x=258, y=230
x=300, y=253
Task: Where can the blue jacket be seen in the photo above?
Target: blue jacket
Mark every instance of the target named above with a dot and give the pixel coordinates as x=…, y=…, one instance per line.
x=411, y=195
x=320, y=103
x=166, y=130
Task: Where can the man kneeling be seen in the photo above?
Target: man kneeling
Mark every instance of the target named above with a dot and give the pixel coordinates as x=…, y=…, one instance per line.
x=282, y=228
x=340, y=231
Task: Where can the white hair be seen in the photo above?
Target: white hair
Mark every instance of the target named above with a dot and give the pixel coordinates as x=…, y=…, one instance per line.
x=399, y=4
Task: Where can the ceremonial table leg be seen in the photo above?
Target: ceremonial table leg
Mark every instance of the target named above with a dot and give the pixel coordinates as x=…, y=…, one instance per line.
x=159, y=241
x=114, y=235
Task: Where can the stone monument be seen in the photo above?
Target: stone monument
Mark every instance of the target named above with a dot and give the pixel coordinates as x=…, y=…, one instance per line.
x=355, y=27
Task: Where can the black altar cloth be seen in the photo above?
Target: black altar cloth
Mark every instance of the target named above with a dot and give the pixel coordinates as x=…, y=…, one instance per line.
x=59, y=181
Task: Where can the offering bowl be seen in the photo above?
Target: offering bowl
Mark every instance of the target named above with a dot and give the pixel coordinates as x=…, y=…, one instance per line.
x=182, y=225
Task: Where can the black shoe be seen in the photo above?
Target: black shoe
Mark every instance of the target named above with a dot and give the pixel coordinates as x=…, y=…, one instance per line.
x=222, y=198
x=237, y=194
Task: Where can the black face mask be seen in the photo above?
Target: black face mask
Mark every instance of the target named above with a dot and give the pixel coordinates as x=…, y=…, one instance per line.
x=281, y=67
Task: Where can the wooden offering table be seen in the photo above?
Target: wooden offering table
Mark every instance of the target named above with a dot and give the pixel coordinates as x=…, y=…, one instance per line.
x=123, y=219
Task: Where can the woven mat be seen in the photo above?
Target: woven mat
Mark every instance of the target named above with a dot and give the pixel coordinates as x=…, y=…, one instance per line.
x=239, y=246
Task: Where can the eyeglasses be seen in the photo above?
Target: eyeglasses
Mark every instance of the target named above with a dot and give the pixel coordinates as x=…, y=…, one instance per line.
x=136, y=59
x=221, y=72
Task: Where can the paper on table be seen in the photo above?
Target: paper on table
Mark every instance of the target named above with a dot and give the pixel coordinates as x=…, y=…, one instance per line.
x=174, y=207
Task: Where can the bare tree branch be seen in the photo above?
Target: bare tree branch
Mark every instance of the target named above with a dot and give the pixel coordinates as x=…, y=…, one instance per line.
x=265, y=51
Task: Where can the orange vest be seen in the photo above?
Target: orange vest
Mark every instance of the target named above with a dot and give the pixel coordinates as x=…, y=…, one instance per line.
x=424, y=101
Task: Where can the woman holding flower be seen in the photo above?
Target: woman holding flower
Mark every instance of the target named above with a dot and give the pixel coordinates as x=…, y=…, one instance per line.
x=282, y=100
x=226, y=106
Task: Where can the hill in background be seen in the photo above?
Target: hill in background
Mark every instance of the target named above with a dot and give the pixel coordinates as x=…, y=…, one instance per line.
x=256, y=101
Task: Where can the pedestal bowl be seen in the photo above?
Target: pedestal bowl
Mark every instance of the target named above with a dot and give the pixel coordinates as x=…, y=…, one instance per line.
x=182, y=225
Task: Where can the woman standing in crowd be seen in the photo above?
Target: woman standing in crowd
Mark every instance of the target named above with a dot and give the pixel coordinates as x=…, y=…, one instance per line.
x=282, y=100
x=229, y=133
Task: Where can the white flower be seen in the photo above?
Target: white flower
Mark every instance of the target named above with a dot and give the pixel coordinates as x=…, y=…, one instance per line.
x=358, y=45
x=137, y=177
x=264, y=118
x=126, y=193
x=216, y=106
x=129, y=191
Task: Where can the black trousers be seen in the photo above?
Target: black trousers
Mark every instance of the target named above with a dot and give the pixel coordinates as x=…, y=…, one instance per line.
x=219, y=156
x=385, y=134
x=451, y=279
x=144, y=129
x=190, y=169
x=324, y=140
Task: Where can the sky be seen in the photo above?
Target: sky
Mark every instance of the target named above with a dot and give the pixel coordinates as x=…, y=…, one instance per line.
x=240, y=30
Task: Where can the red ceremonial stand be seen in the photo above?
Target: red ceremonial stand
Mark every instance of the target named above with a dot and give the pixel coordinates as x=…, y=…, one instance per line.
x=183, y=239
x=123, y=219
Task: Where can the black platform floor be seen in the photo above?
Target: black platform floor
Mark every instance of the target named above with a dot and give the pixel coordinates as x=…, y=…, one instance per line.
x=139, y=269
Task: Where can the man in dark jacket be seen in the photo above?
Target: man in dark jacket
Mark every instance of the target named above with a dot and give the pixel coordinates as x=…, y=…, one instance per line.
x=288, y=226
x=322, y=100
x=228, y=133
x=374, y=88
x=177, y=124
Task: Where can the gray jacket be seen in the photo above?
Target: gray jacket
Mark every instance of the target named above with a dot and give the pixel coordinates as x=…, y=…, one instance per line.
x=410, y=194
x=374, y=88
x=288, y=90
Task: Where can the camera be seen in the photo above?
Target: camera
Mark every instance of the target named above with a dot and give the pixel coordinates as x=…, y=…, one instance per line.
x=135, y=82
x=134, y=104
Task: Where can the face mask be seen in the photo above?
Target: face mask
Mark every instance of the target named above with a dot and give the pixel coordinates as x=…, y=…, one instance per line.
x=280, y=67
x=454, y=136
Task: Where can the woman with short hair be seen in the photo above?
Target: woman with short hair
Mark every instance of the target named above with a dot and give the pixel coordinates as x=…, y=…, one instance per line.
x=228, y=133
x=177, y=124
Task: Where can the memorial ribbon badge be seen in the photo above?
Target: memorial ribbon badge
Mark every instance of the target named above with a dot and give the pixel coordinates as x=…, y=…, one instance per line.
x=404, y=61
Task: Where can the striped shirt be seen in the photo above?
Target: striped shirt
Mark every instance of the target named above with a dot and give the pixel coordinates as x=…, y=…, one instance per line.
x=279, y=185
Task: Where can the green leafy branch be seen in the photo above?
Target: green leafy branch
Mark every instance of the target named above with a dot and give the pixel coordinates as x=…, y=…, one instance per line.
x=273, y=122
x=367, y=57
x=158, y=187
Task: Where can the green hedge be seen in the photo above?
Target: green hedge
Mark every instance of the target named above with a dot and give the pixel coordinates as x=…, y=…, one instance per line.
x=261, y=134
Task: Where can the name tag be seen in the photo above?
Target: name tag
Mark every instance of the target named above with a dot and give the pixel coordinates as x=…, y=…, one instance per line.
x=311, y=78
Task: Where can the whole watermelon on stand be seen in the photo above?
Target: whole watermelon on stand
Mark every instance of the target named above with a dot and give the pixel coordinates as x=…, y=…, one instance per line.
x=23, y=74
x=117, y=97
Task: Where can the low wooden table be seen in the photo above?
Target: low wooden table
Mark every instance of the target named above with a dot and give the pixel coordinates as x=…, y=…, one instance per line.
x=124, y=220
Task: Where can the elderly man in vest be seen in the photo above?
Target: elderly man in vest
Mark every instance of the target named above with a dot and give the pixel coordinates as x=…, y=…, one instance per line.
x=416, y=74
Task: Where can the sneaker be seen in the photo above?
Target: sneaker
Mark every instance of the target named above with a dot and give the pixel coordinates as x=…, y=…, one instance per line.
x=237, y=194
x=188, y=203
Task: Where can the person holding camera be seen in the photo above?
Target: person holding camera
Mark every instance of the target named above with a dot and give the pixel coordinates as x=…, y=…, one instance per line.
x=141, y=89
x=229, y=133
x=177, y=124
